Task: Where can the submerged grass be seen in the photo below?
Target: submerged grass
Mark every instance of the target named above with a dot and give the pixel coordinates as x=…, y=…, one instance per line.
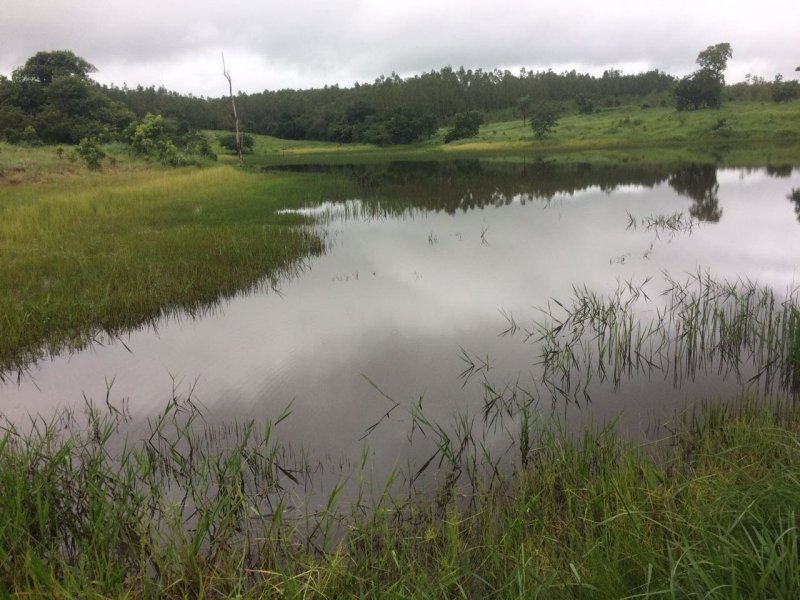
x=710, y=512
x=104, y=252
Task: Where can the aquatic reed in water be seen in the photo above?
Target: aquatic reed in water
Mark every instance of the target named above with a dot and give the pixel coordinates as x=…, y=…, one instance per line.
x=696, y=325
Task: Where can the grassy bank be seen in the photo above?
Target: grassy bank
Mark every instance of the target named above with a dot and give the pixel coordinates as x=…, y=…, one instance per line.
x=711, y=512
x=89, y=252
x=738, y=134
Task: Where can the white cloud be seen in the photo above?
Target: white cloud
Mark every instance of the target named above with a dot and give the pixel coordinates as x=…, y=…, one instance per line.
x=273, y=44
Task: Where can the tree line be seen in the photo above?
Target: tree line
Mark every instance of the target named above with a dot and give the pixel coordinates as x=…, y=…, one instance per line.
x=52, y=99
x=392, y=109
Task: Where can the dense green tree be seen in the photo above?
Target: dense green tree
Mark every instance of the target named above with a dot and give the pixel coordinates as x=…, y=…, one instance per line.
x=348, y=114
x=228, y=141
x=585, y=105
x=544, y=120
x=363, y=112
x=13, y=122
x=703, y=88
x=358, y=112
x=44, y=67
x=714, y=60
x=465, y=125
x=53, y=94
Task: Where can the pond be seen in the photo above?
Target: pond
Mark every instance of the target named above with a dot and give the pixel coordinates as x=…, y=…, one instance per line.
x=430, y=279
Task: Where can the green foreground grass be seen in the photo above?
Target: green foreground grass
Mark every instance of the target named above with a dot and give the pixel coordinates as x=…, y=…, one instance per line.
x=711, y=513
x=102, y=252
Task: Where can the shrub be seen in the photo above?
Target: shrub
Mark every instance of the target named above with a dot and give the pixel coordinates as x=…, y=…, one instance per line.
x=544, y=120
x=91, y=152
x=465, y=125
x=228, y=141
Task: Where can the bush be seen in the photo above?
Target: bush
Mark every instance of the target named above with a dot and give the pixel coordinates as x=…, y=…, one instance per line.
x=91, y=152
x=160, y=138
x=228, y=141
x=30, y=137
x=785, y=91
x=544, y=120
x=465, y=125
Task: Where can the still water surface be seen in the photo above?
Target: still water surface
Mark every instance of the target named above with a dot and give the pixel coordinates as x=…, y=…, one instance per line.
x=420, y=269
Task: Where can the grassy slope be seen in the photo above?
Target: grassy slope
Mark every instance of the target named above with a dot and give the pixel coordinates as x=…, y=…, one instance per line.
x=752, y=134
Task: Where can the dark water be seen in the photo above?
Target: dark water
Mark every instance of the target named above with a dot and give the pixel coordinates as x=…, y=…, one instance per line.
x=420, y=269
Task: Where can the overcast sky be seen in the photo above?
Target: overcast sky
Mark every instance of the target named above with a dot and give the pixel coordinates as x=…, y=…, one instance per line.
x=271, y=44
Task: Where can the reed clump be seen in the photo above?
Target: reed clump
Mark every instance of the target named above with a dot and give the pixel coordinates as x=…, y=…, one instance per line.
x=697, y=325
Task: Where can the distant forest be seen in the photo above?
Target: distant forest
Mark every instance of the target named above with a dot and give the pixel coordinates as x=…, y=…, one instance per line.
x=367, y=112
x=52, y=99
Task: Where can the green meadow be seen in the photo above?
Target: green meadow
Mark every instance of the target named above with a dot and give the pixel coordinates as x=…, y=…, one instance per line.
x=738, y=134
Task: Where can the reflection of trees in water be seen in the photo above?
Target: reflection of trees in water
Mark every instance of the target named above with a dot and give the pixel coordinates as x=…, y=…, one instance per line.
x=794, y=197
x=779, y=170
x=462, y=185
x=699, y=182
x=473, y=184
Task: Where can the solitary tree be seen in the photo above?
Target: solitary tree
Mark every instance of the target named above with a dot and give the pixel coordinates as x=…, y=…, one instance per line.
x=704, y=86
x=714, y=59
x=524, y=105
x=544, y=120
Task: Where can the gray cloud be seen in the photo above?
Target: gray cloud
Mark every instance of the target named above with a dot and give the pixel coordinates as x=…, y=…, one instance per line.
x=275, y=44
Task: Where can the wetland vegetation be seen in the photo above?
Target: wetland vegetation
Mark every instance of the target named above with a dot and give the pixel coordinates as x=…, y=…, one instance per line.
x=202, y=510
x=504, y=494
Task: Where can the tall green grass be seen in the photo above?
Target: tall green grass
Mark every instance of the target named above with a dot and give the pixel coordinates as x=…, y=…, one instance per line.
x=206, y=511
x=90, y=256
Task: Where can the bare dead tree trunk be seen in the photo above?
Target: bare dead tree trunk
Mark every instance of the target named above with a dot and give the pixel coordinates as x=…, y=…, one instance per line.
x=235, y=115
